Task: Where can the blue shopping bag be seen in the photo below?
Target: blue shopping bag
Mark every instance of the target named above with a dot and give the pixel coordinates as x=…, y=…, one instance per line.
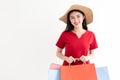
x=53, y=74
x=102, y=73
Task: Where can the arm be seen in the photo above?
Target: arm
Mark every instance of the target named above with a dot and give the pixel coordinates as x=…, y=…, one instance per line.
x=91, y=55
x=63, y=57
x=88, y=57
x=60, y=55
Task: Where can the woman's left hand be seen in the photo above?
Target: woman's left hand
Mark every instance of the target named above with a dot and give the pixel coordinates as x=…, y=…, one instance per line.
x=84, y=58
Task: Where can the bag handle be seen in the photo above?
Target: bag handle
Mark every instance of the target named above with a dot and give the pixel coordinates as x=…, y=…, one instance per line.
x=78, y=60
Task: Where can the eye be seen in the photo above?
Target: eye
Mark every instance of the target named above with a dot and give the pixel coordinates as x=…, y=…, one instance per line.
x=78, y=16
x=72, y=17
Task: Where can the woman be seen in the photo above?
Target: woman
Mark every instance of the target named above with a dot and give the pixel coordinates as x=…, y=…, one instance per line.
x=78, y=41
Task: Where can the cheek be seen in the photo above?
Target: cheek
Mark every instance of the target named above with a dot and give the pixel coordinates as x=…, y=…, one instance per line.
x=81, y=19
x=72, y=21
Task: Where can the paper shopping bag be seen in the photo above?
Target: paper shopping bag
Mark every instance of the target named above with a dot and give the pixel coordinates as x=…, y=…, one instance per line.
x=78, y=72
x=102, y=73
x=54, y=72
x=54, y=66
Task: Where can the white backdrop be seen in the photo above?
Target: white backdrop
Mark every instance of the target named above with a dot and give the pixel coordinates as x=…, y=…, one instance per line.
x=29, y=30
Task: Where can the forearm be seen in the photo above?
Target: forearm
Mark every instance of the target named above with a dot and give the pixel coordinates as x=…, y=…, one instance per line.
x=61, y=56
x=65, y=58
x=91, y=54
x=88, y=57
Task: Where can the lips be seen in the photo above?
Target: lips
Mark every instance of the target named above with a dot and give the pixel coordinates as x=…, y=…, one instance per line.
x=76, y=23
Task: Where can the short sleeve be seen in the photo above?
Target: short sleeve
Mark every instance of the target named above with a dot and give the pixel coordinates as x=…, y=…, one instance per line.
x=61, y=43
x=93, y=44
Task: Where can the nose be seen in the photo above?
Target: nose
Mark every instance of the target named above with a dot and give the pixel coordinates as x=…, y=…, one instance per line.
x=75, y=19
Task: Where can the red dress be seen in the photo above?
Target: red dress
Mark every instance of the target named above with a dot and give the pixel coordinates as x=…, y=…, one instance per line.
x=75, y=46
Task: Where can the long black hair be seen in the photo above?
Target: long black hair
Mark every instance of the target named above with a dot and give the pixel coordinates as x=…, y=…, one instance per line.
x=69, y=26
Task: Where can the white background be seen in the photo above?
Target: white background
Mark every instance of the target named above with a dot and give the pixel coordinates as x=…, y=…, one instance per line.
x=29, y=30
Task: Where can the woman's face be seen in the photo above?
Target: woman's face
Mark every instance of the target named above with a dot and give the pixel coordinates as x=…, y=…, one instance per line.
x=76, y=18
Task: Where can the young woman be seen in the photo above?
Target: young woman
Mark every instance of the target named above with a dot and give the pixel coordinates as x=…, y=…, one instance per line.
x=79, y=42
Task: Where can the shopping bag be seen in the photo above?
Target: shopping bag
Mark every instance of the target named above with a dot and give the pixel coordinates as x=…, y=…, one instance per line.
x=54, y=72
x=54, y=66
x=102, y=73
x=78, y=72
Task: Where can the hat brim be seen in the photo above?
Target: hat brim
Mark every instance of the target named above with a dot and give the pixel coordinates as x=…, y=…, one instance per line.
x=87, y=11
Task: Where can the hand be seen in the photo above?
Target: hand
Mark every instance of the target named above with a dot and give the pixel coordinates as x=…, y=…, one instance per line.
x=70, y=59
x=84, y=58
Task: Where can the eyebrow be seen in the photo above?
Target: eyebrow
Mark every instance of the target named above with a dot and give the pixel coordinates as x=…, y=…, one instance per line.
x=75, y=15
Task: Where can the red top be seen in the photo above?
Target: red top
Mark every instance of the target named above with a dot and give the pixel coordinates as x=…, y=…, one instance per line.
x=75, y=46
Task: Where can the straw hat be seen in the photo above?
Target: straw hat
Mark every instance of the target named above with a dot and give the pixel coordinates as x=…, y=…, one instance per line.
x=87, y=11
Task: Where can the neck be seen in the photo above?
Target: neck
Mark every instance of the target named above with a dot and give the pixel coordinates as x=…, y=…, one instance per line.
x=78, y=29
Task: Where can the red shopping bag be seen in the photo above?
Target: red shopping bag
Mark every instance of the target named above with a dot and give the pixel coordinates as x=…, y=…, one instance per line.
x=78, y=72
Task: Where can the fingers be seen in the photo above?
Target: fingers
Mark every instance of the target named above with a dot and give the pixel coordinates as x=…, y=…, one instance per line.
x=83, y=58
x=70, y=59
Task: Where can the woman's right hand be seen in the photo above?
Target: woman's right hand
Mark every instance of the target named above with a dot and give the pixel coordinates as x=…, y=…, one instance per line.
x=70, y=59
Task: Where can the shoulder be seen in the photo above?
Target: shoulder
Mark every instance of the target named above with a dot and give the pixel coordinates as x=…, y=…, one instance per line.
x=65, y=33
x=90, y=32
